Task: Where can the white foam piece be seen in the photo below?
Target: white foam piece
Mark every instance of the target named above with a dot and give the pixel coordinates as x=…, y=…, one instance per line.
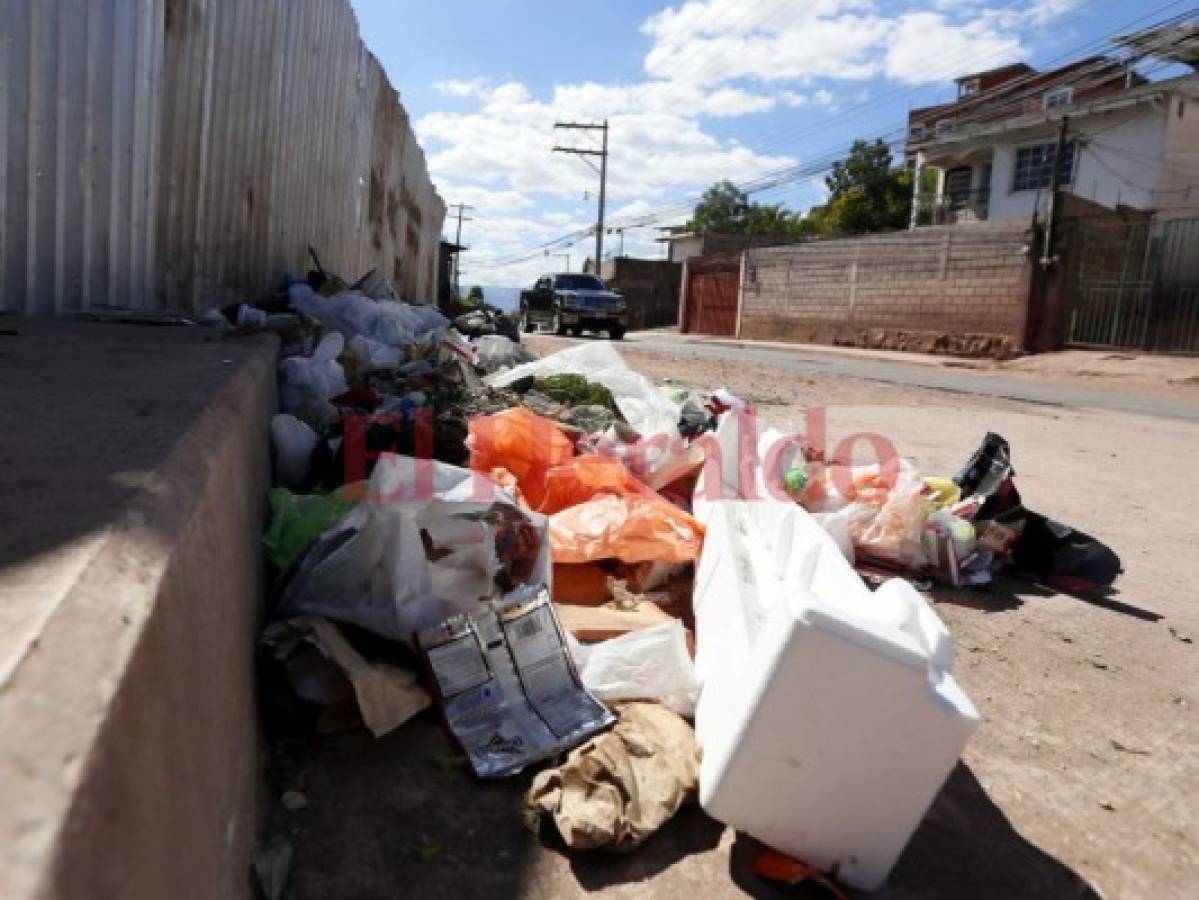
x=828, y=716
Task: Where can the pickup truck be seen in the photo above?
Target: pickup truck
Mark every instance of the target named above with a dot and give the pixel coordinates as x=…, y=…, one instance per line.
x=573, y=302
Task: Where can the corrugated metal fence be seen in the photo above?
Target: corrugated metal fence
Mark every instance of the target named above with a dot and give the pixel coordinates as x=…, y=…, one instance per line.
x=183, y=153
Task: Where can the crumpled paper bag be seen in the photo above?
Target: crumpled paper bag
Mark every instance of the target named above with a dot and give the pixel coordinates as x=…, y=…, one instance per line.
x=618, y=788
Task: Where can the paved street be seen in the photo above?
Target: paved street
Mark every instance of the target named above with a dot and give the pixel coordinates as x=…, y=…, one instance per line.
x=948, y=375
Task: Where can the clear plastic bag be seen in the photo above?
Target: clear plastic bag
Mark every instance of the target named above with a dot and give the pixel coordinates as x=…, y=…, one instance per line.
x=499, y=352
x=642, y=405
x=352, y=314
x=892, y=530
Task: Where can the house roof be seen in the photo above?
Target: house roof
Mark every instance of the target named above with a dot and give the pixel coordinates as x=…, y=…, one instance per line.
x=1013, y=68
x=1178, y=43
x=1144, y=93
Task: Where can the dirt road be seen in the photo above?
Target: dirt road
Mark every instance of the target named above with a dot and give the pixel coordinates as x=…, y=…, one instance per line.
x=1082, y=781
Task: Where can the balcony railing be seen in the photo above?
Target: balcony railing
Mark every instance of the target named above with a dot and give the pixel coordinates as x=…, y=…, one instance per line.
x=955, y=207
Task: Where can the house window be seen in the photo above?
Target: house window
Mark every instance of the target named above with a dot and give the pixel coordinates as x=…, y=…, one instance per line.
x=1058, y=97
x=968, y=87
x=1034, y=166
x=945, y=126
x=917, y=132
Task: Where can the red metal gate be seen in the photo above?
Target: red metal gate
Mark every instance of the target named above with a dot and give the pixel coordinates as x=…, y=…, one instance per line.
x=711, y=302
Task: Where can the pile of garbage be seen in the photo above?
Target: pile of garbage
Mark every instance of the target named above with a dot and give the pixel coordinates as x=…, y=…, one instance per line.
x=636, y=596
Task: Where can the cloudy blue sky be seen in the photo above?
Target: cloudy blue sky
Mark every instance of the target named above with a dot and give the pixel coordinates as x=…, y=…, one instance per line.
x=695, y=91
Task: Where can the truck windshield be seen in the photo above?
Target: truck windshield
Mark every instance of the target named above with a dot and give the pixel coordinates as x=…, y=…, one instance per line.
x=578, y=283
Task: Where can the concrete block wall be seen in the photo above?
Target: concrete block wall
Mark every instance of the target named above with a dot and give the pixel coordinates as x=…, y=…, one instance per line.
x=963, y=289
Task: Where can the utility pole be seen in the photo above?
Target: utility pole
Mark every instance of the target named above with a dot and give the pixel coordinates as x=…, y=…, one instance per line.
x=1048, y=257
x=462, y=207
x=602, y=170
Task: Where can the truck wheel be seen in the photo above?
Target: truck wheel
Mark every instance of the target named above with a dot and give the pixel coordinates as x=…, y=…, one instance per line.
x=559, y=328
x=617, y=334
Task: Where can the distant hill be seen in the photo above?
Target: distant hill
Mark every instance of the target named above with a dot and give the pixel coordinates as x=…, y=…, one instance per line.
x=506, y=298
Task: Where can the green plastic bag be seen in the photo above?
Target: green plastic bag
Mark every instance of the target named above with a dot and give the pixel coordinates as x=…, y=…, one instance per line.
x=298, y=519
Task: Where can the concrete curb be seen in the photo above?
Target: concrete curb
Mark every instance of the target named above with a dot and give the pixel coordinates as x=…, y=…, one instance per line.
x=129, y=744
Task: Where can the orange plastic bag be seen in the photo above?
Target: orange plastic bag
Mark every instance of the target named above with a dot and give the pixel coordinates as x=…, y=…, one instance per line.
x=780, y=867
x=585, y=477
x=629, y=528
x=522, y=442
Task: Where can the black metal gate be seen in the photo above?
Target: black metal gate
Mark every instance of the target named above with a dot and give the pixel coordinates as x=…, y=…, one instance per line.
x=1134, y=285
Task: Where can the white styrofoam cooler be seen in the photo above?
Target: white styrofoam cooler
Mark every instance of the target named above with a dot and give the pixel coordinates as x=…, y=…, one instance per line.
x=828, y=716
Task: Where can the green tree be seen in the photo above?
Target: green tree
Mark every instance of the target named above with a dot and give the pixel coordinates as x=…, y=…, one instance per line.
x=475, y=295
x=725, y=209
x=721, y=210
x=865, y=193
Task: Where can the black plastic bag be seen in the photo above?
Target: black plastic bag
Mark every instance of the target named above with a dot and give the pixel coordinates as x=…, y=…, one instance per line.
x=1053, y=553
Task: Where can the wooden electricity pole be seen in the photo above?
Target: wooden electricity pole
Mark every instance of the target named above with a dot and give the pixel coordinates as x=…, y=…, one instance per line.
x=462, y=207
x=602, y=170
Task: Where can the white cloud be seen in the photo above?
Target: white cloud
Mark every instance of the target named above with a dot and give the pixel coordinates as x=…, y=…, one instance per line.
x=498, y=158
x=711, y=42
x=462, y=87
x=707, y=60
x=974, y=45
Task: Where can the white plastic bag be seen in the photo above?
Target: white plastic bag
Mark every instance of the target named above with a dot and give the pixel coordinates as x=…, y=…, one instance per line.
x=373, y=568
x=293, y=442
x=642, y=405
x=647, y=664
x=306, y=384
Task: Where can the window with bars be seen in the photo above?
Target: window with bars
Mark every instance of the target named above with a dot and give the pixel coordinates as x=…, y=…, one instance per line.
x=1033, y=169
x=1058, y=97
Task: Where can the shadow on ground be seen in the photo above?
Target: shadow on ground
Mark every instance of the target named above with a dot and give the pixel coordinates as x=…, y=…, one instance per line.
x=965, y=847
x=385, y=820
x=1007, y=593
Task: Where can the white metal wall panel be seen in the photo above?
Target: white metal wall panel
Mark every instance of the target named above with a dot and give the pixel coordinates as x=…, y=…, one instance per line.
x=184, y=153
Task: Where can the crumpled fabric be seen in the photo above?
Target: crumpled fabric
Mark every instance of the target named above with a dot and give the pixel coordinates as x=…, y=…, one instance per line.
x=617, y=789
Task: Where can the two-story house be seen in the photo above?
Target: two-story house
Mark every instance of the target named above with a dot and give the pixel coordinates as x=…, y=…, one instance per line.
x=1127, y=142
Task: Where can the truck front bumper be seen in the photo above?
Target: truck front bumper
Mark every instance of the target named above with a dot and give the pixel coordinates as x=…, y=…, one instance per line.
x=594, y=322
